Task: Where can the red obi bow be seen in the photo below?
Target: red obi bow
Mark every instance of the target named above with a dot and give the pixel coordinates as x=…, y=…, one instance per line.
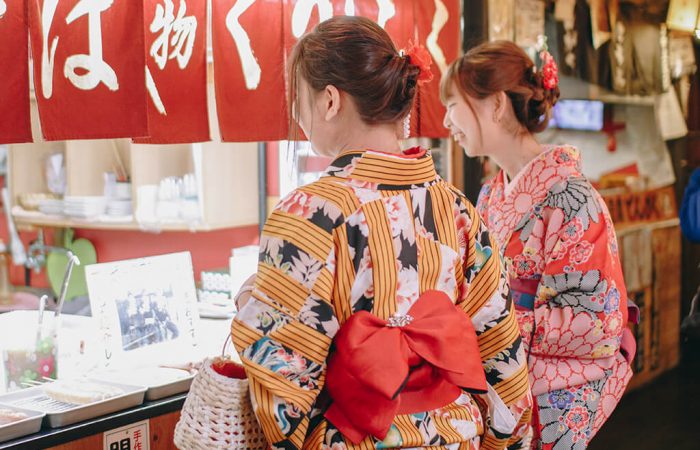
x=412, y=363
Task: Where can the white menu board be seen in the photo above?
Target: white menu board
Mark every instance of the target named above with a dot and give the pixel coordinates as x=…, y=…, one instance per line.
x=145, y=307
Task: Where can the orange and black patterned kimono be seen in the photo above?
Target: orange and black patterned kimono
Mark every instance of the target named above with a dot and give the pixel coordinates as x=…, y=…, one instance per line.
x=380, y=236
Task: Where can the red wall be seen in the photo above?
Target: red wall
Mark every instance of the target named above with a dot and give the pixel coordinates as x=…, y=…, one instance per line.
x=209, y=249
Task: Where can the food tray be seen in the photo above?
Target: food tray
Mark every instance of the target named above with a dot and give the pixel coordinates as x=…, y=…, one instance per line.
x=59, y=414
x=155, y=388
x=169, y=389
x=24, y=427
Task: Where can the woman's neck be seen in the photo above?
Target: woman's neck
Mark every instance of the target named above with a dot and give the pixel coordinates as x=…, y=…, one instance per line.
x=513, y=156
x=370, y=137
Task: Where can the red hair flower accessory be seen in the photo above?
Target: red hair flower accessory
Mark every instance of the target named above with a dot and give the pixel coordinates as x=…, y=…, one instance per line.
x=420, y=56
x=550, y=72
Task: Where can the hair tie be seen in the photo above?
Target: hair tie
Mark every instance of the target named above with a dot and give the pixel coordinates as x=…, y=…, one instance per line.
x=420, y=57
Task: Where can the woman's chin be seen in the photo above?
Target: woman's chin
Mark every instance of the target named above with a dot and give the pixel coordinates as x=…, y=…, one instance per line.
x=469, y=151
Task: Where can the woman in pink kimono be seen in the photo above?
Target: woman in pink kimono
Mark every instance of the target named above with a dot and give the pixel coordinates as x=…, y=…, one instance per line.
x=556, y=236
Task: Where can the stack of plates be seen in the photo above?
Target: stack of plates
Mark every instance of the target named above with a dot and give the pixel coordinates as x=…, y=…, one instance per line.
x=215, y=311
x=119, y=208
x=84, y=206
x=51, y=207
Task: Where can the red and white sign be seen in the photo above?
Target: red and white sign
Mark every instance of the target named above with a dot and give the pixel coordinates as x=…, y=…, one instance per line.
x=249, y=70
x=438, y=30
x=15, y=124
x=176, y=71
x=435, y=24
x=98, y=76
x=88, y=68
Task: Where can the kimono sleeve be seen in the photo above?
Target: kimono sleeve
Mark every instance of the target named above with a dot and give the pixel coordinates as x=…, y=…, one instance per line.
x=580, y=306
x=284, y=332
x=486, y=299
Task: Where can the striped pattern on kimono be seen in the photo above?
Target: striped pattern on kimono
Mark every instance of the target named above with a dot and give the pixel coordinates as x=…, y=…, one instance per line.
x=375, y=232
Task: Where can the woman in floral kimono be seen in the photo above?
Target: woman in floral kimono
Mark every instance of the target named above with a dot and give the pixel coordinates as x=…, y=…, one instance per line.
x=556, y=237
x=380, y=315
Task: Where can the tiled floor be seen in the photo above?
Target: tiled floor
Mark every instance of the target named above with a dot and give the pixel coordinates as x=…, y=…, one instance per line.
x=662, y=415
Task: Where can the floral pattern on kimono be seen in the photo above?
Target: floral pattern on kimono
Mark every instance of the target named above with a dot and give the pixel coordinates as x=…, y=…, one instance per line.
x=560, y=248
x=373, y=234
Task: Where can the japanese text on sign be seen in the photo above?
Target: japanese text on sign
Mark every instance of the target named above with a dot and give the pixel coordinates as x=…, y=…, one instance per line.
x=131, y=437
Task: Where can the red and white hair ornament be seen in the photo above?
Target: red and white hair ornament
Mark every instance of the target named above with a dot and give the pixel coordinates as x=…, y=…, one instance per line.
x=550, y=72
x=419, y=56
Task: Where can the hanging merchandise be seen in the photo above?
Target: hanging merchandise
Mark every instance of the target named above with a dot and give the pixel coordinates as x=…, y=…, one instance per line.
x=600, y=22
x=669, y=115
x=529, y=22
x=564, y=13
x=15, y=125
x=683, y=15
x=640, y=58
x=501, y=20
x=88, y=76
x=577, y=35
x=681, y=55
x=176, y=71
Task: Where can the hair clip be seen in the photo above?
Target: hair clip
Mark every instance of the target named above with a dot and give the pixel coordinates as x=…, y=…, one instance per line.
x=550, y=71
x=419, y=56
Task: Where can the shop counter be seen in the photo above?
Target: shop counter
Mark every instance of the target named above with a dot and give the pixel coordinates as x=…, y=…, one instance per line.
x=162, y=416
x=79, y=354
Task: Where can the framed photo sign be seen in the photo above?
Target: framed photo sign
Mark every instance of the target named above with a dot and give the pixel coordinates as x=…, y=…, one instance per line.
x=144, y=307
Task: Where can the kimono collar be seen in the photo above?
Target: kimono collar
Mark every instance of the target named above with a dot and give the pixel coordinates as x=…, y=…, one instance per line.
x=565, y=158
x=388, y=170
x=529, y=187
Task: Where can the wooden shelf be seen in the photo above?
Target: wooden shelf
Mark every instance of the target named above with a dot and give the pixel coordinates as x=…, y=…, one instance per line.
x=576, y=89
x=226, y=176
x=631, y=228
x=29, y=220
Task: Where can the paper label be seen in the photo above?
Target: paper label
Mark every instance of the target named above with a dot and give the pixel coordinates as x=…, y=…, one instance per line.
x=130, y=437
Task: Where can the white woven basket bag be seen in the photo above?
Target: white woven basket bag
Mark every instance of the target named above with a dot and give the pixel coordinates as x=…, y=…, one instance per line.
x=218, y=414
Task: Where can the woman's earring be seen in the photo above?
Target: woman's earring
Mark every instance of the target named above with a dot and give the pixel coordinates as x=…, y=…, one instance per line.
x=407, y=126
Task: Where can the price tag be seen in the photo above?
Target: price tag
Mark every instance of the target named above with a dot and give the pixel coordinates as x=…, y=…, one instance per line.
x=131, y=437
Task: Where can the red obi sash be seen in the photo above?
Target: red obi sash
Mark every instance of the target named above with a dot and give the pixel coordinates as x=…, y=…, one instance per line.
x=409, y=364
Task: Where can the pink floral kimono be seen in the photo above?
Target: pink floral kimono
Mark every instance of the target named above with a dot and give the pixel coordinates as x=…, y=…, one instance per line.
x=559, y=244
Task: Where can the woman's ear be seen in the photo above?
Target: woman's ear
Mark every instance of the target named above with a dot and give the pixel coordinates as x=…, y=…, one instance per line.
x=500, y=102
x=331, y=102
